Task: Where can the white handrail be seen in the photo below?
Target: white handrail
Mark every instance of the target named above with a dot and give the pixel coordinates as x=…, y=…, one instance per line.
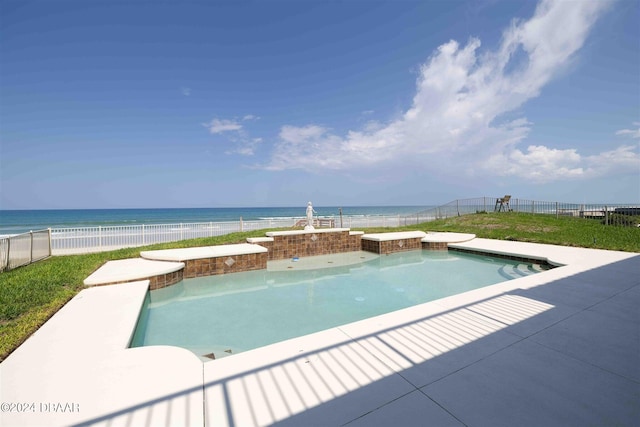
x=66, y=241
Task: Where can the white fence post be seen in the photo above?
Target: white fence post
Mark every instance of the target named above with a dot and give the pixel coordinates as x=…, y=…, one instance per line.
x=83, y=240
x=50, y=248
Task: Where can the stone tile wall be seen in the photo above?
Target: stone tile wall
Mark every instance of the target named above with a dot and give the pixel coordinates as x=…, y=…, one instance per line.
x=224, y=265
x=435, y=246
x=269, y=246
x=354, y=243
x=371, y=246
x=165, y=280
x=311, y=244
x=288, y=246
x=391, y=246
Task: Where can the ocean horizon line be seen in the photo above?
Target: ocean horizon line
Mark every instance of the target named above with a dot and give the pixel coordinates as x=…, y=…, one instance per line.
x=16, y=221
x=303, y=207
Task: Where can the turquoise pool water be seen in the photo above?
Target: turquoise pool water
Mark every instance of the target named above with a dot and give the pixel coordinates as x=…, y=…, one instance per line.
x=217, y=316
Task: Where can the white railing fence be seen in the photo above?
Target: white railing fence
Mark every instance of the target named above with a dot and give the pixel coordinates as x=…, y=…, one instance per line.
x=66, y=241
x=26, y=248
x=23, y=249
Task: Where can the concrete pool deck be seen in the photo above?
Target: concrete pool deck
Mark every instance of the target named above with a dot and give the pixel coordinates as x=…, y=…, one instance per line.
x=561, y=347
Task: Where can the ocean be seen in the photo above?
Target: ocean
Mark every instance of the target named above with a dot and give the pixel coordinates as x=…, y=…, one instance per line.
x=22, y=221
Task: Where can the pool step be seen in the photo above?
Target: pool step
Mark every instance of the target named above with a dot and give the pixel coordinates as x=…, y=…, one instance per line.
x=538, y=268
x=520, y=270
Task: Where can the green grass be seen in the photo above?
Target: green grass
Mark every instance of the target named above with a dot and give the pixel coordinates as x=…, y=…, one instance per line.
x=30, y=295
x=566, y=231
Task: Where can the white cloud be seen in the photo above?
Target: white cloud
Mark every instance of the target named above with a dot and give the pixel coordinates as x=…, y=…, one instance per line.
x=460, y=107
x=306, y=144
x=539, y=164
x=222, y=125
x=298, y=135
x=243, y=144
x=186, y=91
x=622, y=159
x=632, y=133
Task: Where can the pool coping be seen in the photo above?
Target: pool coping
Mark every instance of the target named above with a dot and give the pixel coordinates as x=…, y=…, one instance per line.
x=315, y=378
x=200, y=252
x=129, y=270
x=396, y=235
x=308, y=231
x=447, y=237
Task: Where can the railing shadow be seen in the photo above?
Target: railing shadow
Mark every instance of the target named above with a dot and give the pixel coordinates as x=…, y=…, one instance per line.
x=372, y=366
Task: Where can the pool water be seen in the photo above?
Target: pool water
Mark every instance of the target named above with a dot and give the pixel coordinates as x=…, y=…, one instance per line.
x=217, y=316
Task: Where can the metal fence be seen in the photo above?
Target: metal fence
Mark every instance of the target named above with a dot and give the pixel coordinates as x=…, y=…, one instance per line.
x=23, y=249
x=26, y=248
x=608, y=214
x=67, y=241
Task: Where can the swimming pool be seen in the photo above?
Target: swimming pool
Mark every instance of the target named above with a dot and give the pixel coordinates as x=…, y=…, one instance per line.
x=217, y=316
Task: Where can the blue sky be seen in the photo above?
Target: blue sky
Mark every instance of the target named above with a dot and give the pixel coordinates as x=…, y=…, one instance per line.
x=127, y=104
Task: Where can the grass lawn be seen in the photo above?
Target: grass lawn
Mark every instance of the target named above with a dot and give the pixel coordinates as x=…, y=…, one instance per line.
x=565, y=231
x=30, y=295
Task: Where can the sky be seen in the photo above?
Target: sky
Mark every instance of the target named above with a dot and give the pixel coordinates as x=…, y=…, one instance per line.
x=163, y=103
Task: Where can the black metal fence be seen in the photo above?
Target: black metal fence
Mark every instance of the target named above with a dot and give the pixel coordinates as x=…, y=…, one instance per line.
x=609, y=214
x=23, y=249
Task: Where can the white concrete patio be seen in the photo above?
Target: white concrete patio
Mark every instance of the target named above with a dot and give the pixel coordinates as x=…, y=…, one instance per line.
x=559, y=348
